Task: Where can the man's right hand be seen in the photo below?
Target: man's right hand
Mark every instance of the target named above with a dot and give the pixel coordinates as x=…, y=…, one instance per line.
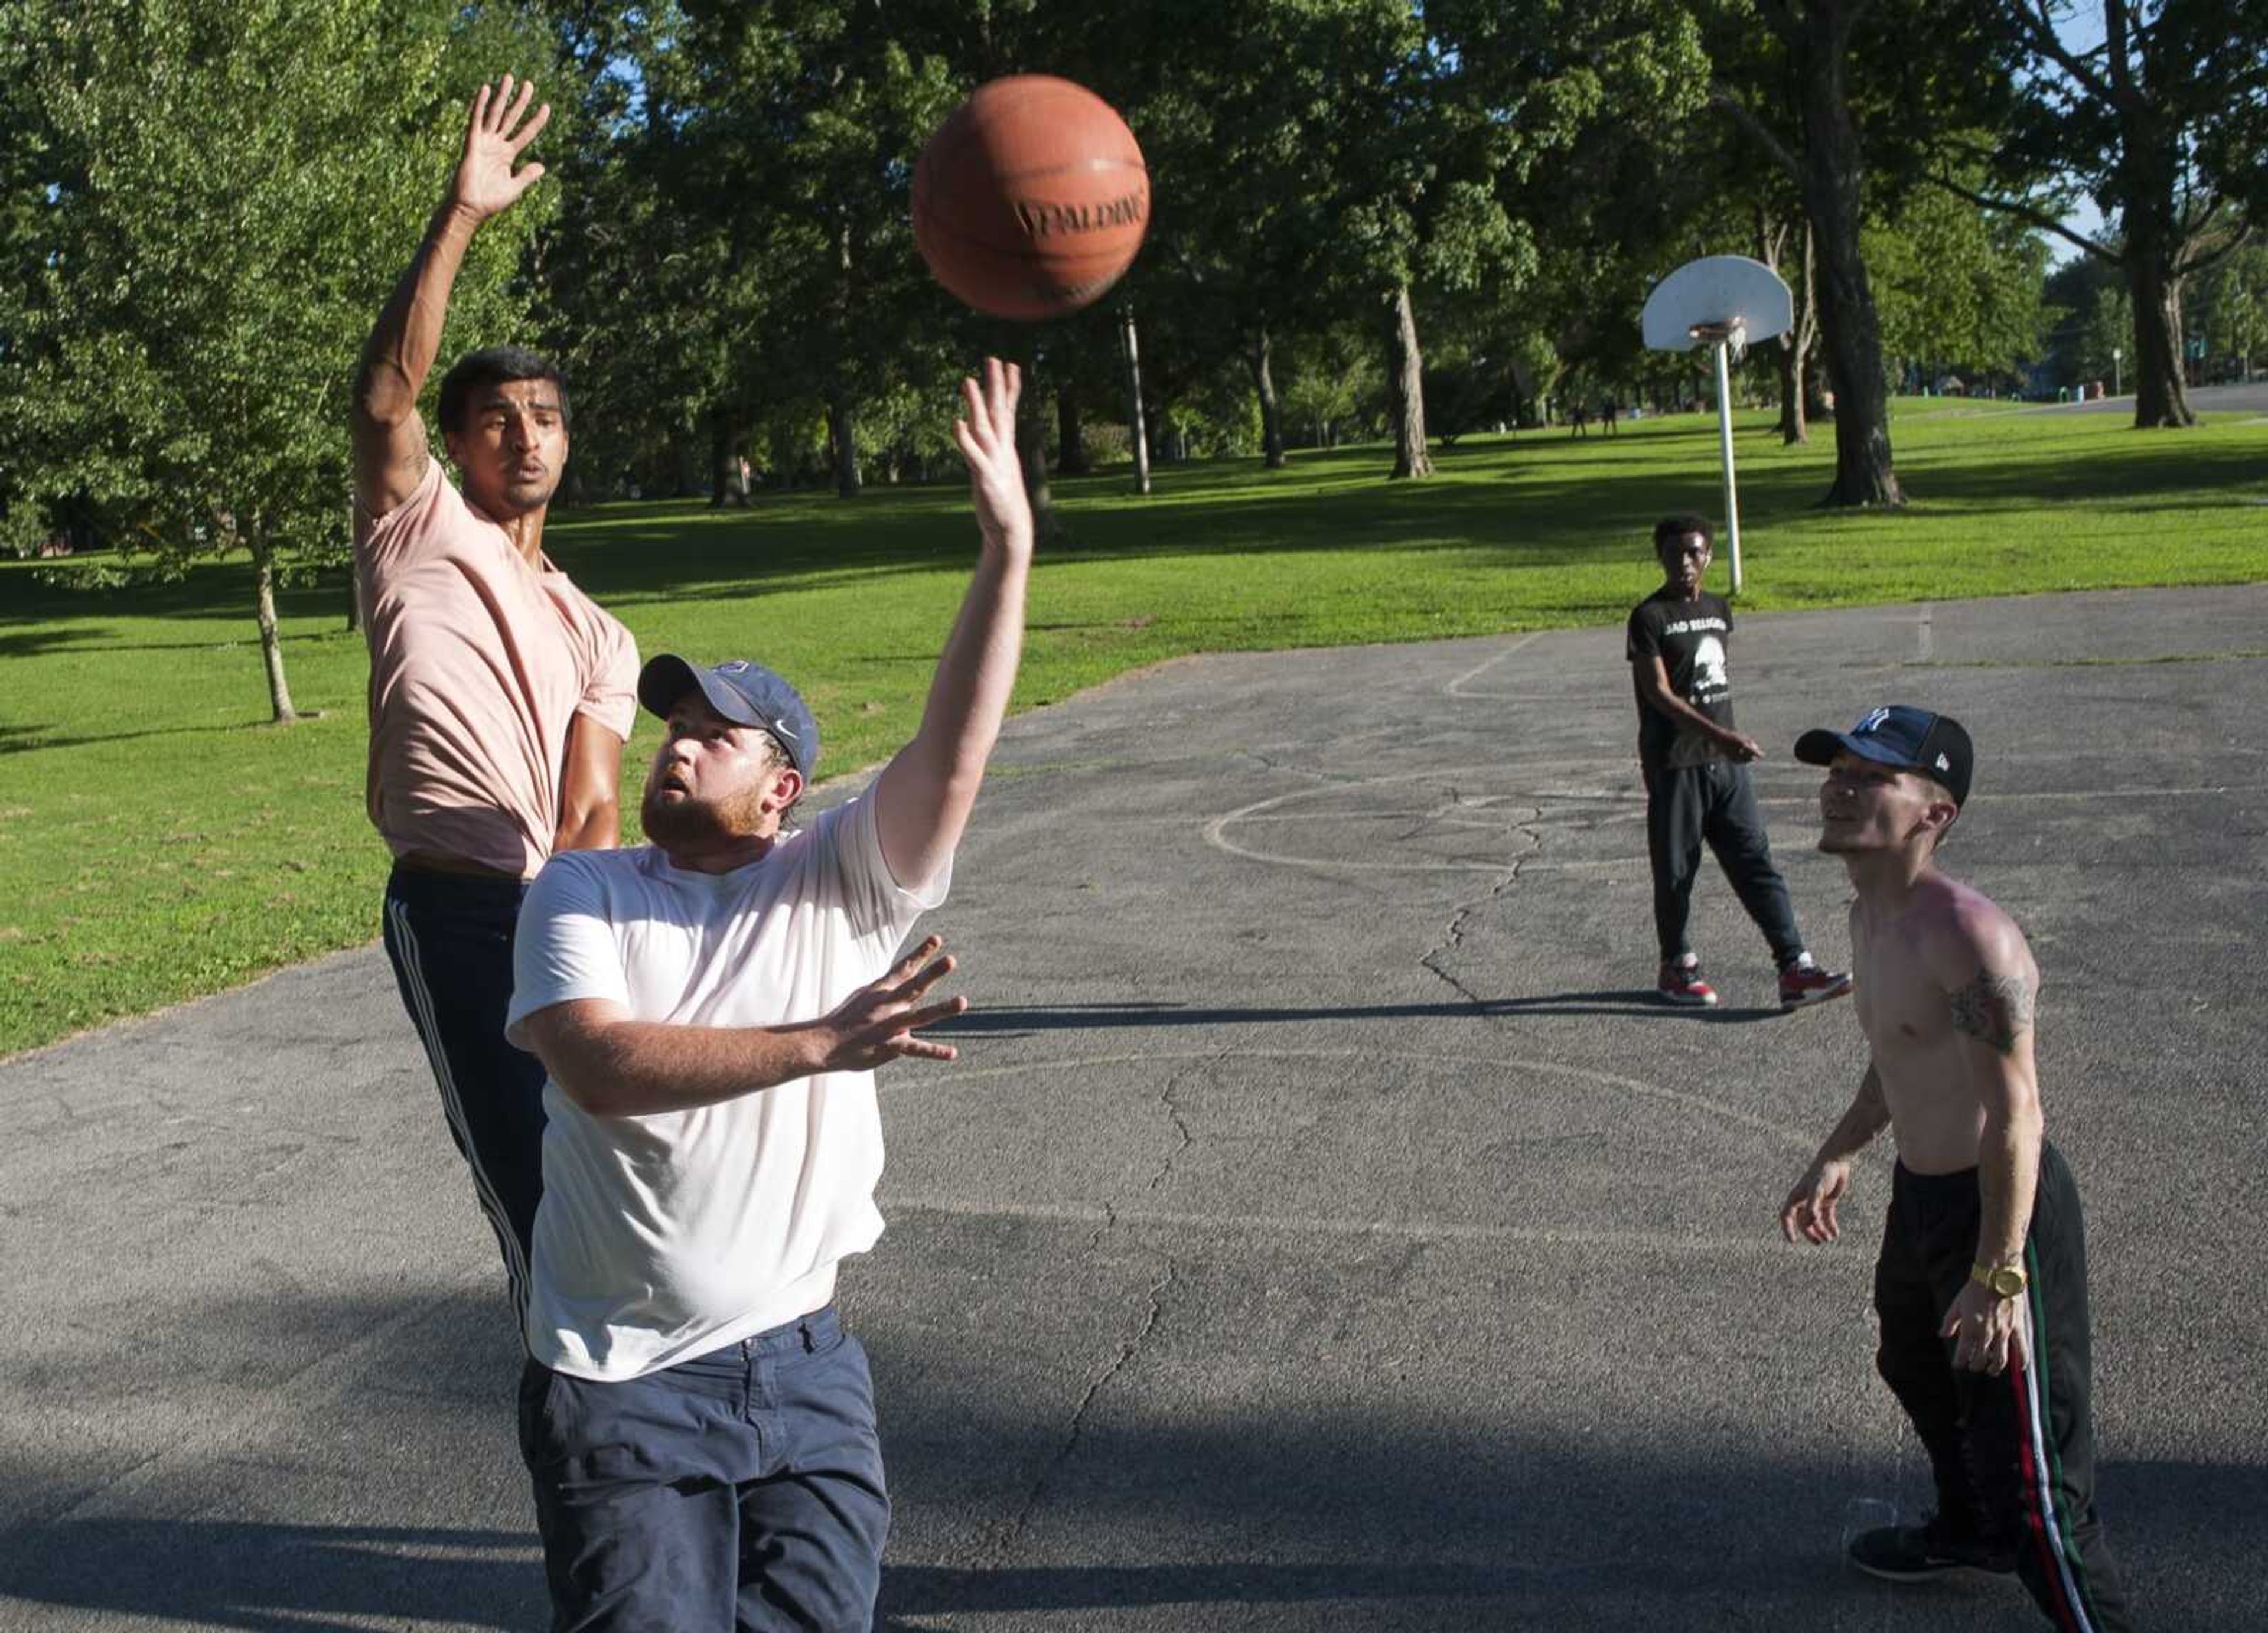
x=1810, y=1209
x=1743, y=749
x=878, y=1022
x=485, y=184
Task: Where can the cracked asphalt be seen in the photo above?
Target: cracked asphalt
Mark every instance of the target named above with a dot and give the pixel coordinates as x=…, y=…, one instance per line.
x=1321, y=1229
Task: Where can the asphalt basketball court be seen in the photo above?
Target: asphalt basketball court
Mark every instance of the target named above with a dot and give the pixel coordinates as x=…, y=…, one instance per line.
x=1321, y=1229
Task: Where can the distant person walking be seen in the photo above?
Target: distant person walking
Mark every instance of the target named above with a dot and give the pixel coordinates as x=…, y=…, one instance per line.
x=1981, y=1284
x=500, y=694
x=1578, y=418
x=1607, y=413
x=1697, y=786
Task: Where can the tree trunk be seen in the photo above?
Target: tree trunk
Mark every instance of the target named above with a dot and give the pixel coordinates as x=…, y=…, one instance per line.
x=1406, y=387
x=1833, y=171
x=842, y=432
x=721, y=454
x=2162, y=397
x=271, y=648
x=1031, y=451
x=1271, y=415
x=1070, y=434
x=1795, y=346
x=1138, y=432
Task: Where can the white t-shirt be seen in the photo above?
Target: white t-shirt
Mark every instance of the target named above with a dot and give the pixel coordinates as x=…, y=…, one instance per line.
x=660, y=1238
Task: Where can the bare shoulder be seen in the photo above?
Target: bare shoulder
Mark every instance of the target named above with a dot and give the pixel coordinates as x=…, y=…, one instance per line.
x=1977, y=956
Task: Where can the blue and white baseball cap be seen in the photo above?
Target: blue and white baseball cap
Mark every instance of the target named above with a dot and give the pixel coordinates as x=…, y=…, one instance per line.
x=744, y=693
x=1900, y=735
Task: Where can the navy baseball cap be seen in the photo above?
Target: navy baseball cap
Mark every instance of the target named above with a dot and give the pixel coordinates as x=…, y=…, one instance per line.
x=744, y=693
x=1900, y=735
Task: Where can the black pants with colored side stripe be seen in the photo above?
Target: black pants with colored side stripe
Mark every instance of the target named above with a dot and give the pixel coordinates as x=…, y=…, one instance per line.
x=2014, y=1456
x=449, y=938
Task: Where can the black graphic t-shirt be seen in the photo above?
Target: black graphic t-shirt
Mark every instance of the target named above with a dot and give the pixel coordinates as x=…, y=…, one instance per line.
x=1690, y=638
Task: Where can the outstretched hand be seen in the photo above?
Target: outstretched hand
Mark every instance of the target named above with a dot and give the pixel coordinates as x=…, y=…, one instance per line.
x=878, y=1022
x=485, y=183
x=987, y=437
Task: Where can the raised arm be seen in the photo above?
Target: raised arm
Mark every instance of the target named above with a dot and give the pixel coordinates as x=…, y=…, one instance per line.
x=1991, y=984
x=924, y=796
x=615, y=1066
x=389, y=438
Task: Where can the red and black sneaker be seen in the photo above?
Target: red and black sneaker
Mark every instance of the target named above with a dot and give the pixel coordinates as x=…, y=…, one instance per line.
x=1807, y=983
x=1681, y=984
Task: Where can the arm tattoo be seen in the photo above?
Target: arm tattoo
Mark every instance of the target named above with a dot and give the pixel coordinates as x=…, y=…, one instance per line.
x=1994, y=1009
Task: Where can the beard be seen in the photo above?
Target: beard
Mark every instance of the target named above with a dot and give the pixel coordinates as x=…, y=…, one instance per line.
x=687, y=822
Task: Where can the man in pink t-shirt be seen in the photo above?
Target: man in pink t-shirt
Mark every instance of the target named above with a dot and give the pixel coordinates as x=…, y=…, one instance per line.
x=500, y=694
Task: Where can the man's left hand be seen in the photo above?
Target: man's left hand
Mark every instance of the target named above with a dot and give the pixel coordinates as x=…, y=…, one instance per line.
x=1987, y=1330
x=987, y=437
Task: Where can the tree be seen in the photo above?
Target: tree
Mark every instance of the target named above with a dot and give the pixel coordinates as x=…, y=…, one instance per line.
x=1487, y=98
x=1959, y=288
x=1283, y=96
x=2092, y=316
x=230, y=189
x=2161, y=123
x=2232, y=304
x=1826, y=164
x=652, y=281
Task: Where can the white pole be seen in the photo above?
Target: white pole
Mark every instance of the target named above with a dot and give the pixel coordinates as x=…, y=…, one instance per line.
x=1725, y=445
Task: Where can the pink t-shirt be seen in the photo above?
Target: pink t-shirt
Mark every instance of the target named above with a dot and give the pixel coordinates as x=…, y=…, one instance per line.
x=477, y=664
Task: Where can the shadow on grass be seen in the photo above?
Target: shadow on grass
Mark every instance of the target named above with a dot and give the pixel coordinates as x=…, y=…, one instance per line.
x=1534, y=500
x=29, y=738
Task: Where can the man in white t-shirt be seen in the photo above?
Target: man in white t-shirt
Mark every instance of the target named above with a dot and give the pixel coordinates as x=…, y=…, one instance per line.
x=698, y=1426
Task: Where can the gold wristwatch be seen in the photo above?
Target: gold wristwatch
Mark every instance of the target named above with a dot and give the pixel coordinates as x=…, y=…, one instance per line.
x=2003, y=1281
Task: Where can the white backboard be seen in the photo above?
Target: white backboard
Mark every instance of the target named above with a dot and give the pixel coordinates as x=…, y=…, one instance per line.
x=1717, y=290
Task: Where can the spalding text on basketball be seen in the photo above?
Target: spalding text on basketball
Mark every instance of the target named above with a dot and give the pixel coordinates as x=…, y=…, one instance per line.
x=1047, y=221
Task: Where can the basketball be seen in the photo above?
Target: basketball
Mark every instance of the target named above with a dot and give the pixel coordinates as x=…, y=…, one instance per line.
x=1032, y=199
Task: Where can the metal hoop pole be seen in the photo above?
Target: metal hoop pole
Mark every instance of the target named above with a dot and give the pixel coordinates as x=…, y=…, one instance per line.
x=1725, y=446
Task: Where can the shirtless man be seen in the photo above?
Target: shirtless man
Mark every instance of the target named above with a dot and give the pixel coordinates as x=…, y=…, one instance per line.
x=1981, y=1286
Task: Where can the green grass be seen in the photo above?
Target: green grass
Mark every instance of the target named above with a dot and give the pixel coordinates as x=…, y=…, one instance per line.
x=159, y=842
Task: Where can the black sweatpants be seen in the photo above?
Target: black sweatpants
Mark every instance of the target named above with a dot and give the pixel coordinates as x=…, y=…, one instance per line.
x=1717, y=802
x=449, y=938
x=2014, y=1456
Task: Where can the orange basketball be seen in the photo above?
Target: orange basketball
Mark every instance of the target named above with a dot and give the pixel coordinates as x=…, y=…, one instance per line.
x=1032, y=199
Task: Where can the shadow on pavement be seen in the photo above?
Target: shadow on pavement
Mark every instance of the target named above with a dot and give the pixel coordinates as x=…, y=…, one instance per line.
x=276, y=1579
x=1637, y=1004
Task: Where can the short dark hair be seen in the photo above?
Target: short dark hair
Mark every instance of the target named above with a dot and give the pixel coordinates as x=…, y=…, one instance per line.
x=487, y=367
x=1670, y=529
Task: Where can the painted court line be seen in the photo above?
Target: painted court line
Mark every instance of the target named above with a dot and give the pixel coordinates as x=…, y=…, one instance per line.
x=1455, y=688
x=1268, y=812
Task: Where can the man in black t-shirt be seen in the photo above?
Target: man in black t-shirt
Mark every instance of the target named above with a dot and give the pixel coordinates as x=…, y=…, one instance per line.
x=1696, y=779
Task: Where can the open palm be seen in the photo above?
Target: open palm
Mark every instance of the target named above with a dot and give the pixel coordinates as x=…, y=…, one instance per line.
x=987, y=436
x=486, y=182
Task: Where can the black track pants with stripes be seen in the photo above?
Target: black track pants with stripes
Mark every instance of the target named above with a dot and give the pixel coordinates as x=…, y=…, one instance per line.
x=449, y=938
x=2014, y=1456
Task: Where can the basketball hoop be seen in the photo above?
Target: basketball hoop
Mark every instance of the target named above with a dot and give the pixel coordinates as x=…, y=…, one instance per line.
x=1732, y=335
x=1720, y=302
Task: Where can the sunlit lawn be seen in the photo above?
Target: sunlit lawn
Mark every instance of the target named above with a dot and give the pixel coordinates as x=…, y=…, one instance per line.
x=157, y=841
